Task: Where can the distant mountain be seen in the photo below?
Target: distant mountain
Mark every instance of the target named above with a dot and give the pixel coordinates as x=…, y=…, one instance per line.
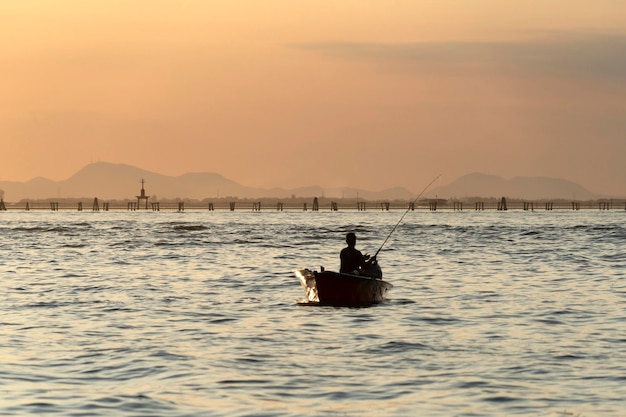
x=109, y=181
x=14, y=191
x=528, y=188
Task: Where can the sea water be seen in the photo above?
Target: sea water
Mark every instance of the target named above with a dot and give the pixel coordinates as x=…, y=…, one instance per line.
x=195, y=314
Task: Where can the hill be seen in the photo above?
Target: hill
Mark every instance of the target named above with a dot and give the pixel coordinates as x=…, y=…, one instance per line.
x=109, y=181
x=527, y=188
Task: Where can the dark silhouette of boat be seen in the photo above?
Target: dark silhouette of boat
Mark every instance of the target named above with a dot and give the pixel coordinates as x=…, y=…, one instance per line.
x=337, y=289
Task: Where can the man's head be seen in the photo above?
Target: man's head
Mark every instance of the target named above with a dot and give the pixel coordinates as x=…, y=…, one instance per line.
x=351, y=239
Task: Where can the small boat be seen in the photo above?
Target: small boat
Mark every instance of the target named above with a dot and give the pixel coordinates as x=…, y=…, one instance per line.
x=337, y=289
x=361, y=288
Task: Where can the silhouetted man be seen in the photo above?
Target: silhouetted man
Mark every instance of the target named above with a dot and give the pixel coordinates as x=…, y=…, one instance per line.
x=352, y=260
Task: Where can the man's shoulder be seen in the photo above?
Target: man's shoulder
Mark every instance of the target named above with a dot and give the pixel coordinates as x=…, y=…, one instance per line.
x=349, y=250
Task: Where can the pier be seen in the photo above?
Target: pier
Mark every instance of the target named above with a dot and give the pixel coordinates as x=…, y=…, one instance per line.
x=96, y=205
x=143, y=202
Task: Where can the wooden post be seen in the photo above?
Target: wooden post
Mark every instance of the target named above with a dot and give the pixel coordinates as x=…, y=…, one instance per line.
x=412, y=206
x=549, y=206
x=360, y=206
x=105, y=206
x=3, y=207
x=316, y=205
x=27, y=206
x=502, y=204
x=304, y=207
x=80, y=206
x=279, y=206
x=384, y=206
x=432, y=205
x=96, y=205
x=156, y=206
x=181, y=206
x=333, y=206
x=211, y=208
x=457, y=206
x=232, y=206
x=54, y=206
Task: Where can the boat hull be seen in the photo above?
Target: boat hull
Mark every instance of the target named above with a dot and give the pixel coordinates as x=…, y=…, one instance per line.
x=333, y=288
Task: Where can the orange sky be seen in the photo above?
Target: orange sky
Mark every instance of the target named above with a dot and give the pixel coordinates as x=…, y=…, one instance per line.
x=363, y=93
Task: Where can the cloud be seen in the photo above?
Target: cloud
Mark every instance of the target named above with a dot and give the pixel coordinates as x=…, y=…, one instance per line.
x=574, y=55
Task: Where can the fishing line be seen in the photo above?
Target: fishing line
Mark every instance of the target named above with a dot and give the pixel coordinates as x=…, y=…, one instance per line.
x=405, y=213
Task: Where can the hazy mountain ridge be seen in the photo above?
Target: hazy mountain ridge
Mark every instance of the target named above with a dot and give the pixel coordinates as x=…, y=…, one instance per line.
x=109, y=181
x=529, y=188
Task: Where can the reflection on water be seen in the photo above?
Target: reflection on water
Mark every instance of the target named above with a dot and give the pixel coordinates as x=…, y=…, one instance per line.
x=194, y=314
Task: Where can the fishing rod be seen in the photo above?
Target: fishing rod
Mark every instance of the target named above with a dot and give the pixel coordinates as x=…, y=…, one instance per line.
x=407, y=210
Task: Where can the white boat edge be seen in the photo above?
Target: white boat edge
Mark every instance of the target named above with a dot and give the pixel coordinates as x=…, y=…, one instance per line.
x=307, y=280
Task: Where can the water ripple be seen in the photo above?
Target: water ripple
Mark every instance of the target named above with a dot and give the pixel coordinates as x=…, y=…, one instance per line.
x=142, y=314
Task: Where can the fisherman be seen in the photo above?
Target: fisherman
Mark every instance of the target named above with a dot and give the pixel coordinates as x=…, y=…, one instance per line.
x=352, y=260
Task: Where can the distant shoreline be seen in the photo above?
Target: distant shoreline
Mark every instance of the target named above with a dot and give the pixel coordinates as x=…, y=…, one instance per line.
x=308, y=204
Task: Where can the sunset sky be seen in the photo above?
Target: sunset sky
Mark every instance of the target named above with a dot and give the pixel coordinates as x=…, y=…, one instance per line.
x=284, y=93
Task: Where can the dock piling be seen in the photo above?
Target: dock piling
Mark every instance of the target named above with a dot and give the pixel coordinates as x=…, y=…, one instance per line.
x=502, y=205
